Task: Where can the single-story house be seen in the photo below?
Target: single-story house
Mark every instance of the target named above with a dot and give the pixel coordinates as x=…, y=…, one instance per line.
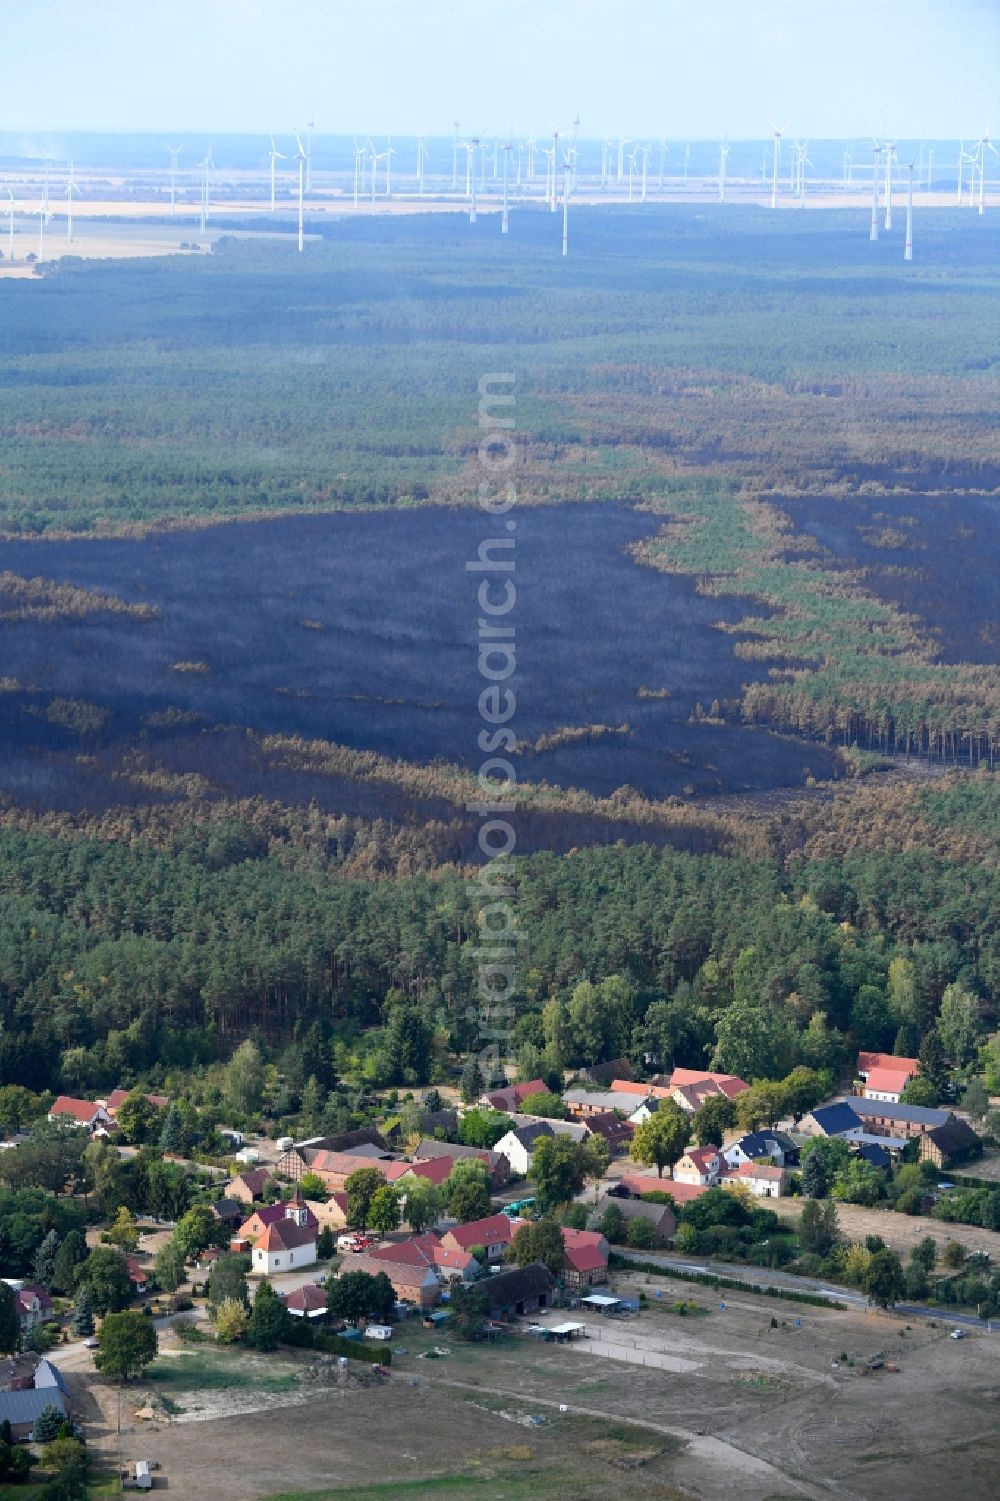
x=884, y=1118
x=286, y=1244
x=765, y=1180
x=586, y=1257
x=510, y=1097
x=494, y=1234
x=138, y=1274
x=518, y=1146
x=21, y=1409
x=449, y=1262
x=413, y=1280
x=637, y=1091
x=497, y=1163
x=868, y=1061
x=886, y=1084
x=90, y=1114
x=952, y=1143
x=699, y=1165
x=838, y=1119
x=306, y=1302
x=660, y=1216
x=249, y=1186
x=521, y=1291
x=777, y=1145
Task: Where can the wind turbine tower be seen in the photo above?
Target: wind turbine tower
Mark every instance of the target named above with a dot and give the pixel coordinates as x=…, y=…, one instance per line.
x=555, y=160
x=645, y=165
x=71, y=188
x=175, y=152
x=775, y=159
x=206, y=165
x=565, y=233
x=890, y=156
x=275, y=156
x=908, y=246
x=506, y=173
x=873, y=233
x=984, y=145
x=301, y=158
x=724, y=150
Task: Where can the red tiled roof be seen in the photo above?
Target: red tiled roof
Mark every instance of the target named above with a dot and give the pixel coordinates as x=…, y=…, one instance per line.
x=757, y=1170
x=136, y=1272
x=285, y=1235
x=644, y=1091
x=436, y=1170
x=888, y=1080
x=867, y=1061
x=730, y=1084
x=493, y=1230
x=117, y=1096
x=28, y=1295
x=307, y=1299
x=81, y=1110
x=701, y=1156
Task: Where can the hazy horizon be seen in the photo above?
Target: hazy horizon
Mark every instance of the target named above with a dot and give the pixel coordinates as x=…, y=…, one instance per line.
x=646, y=68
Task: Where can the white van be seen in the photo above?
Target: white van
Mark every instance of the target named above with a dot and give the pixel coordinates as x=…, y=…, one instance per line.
x=378, y=1331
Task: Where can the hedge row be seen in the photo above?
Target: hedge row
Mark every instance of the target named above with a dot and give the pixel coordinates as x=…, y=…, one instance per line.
x=730, y=1284
x=354, y=1349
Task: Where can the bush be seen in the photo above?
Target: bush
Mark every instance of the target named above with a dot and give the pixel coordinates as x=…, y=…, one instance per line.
x=354, y=1349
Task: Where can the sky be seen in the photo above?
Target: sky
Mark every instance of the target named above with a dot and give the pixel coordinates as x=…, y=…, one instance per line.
x=644, y=68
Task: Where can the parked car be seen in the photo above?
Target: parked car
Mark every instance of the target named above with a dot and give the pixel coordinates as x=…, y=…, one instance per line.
x=958, y=1334
x=92, y=1343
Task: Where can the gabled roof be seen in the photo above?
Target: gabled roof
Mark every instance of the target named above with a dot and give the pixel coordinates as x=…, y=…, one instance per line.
x=138, y=1273
x=48, y=1375
x=954, y=1136
x=835, y=1119
x=766, y=1170
x=888, y=1080
x=644, y=1091
x=729, y=1084
x=701, y=1156
x=608, y=1123
x=119, y=1096
x=254, y=1179
x=917, y=1115
x=508, y=1288
x=83, y=1111
x=495, y=1229
x=605, y=1099
x=409, y=1272
x=286, y=1235
x=529, y=1134
x=27, y=1296
x=867, y=1061
x=586, y=1250
x=874, y=1154
x=435, y=1171
x=18, y=1408
x=428, y=1148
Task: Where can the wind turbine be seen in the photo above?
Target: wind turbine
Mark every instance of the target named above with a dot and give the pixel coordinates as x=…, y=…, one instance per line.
x=631, y=171
x=175, y=152
x=421, y=155
x=848, y=164
x=645, y=150
x=276, y=156
x=890, y=157
x=567, y=169
x=724, y=151
x=506, y=173
x=622, y=143
x=10, y=227
x=908, y=246
x=984, y=145
x=802, y=161
x=605, y=157
x=388, y=153
x=471, y=148
x=531, y=143
x=555, y=159
x=45, y=190
x=71, y=188
x=310, y=126
x=775, y=159
x=301, y=158
x=41, y=231
x=206, y=164
x=876, y=165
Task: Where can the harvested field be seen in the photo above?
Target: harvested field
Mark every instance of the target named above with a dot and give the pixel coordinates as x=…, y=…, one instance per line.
x=900, y=1231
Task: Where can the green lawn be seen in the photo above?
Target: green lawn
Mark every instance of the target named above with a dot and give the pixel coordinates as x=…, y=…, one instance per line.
x=204, y=1372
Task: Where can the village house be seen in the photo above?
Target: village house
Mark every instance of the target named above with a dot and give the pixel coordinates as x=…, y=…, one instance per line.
x=699, y=1165
x=413, y=1279
x=448, y=1262
x=603, y=1073
x=838, y=1119
x=21, y=1409
x=586, y=1258
x=616, y=1132
x=89, y=1114
x=322, y=1154
x=777, y=1145
x=436, y=1170
x=31, y=1303
x=886, y=1084
x=660, y=1216
x=285, y=1243
x=637, y=1091
x=499, y=1166
x=868, y=1061
x=510, y=1097
x=520, y=1292
x=765, y=1180
x=948, y=1145
x=118, y=1096
x=265, y=1215
x=229, y=1212
x=138, y=1274
x=494, y=1233
x=249, y=1186
x=730, y=1085
x=584, y=1103
x=518, y=1146
x=331, y=1214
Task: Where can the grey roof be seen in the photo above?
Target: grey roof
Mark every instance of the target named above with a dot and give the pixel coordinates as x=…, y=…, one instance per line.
x=24, y=1407
x=918, y=1115
x=604, y=1099
x=834, y=1120
x=531, y=1132
x=659, y=1215
x=429, y=1148
x=874, y=1154
x=953, y=1136
x=507, y=1288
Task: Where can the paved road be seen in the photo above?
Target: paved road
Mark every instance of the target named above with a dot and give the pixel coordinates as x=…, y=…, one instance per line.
x=787, y=1282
